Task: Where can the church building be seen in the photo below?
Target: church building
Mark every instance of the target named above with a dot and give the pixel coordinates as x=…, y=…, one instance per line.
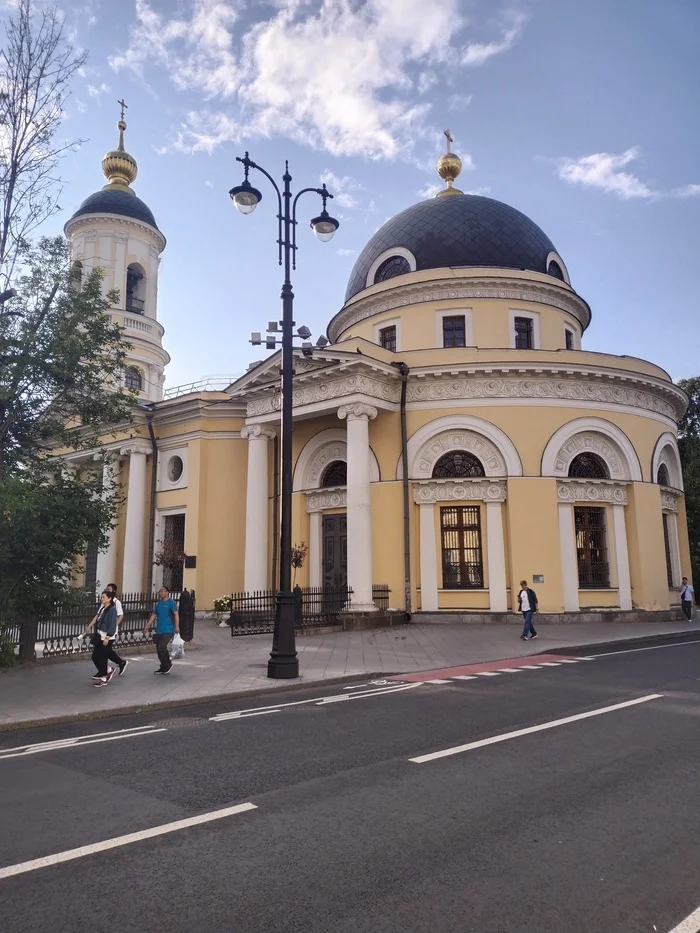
x=452, y=438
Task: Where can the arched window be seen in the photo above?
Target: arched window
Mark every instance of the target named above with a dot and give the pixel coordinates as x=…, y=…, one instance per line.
x=391, y=267
x=662, y=477
x=76, y=275
x=335, y=474
x=456, y=464
x=135, y=289
x=133, y=379
x=588, y=466
x=554, y=269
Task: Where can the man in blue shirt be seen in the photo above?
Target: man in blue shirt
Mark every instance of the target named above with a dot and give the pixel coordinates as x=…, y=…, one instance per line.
x=167, y=622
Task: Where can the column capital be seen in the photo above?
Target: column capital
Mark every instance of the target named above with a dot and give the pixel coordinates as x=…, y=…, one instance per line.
x=250, y=431
x=135, y=447
x=357, y=411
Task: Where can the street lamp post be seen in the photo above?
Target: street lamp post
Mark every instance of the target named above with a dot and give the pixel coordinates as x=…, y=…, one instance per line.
x=283, y=662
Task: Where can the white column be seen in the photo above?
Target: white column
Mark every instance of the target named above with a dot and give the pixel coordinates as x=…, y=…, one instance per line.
x=675, y=548
x=358, y=492
x=428, y=558
x=256, y=520
x=135, y=531
x=107, y=559
x=624, y=585
x=567, y=555
x=315, y=549
x=496, y=556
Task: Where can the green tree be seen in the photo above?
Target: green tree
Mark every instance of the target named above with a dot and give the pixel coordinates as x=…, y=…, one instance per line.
x=689, y=446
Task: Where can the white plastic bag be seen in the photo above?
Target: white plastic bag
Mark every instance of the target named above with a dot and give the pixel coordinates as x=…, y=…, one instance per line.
x=177, y=647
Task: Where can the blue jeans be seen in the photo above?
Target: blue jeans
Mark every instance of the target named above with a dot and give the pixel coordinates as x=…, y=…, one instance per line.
x=529, y=628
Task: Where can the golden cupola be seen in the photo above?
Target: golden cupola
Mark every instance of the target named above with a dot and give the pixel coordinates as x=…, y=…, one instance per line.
x=449, y=166
x=119, y=166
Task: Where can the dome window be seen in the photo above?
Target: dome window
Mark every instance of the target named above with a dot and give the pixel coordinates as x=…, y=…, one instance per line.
x=391, y=267
x=133, y=379
x=458, y=464
x=555, y=270
x=335, y=474
x=588, y=466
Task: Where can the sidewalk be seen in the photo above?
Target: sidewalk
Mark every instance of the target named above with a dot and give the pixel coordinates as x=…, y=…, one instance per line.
x=218, y=665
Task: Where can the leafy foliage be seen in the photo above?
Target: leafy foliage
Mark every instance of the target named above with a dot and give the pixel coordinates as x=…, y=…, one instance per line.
x=689, y=447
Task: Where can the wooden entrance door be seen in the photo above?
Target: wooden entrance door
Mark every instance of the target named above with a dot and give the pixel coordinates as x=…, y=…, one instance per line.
x=335, y=551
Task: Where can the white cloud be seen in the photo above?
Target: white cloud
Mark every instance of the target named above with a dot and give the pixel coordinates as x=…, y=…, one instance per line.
x=687, y=191
x=344, y=190
x=459, y=101
x=208, y=184
x=604, y=170
x=96, y=90
x=341, y=75
x=429, y=190
x=477, y=53
x=481, y=190
x=346, y=252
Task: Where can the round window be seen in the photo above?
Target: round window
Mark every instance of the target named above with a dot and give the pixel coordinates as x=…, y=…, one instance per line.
x=175, y=468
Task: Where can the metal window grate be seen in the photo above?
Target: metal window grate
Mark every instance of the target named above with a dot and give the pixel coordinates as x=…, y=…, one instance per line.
x=387, y=338
x=523, y=333
x=591, y=550
x=335, y=474
x=395, y=265
x=454, y=332
x=588, y=466
x=133, y=379
x=569, y=337
x=457, y=463
x=462, y=560
x=667, y=549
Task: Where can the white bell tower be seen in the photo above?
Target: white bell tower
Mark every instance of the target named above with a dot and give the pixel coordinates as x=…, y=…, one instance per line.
x=116, y=230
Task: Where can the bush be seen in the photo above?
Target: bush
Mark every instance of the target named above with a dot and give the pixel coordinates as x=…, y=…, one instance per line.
x=7, y=650
x=222, y=604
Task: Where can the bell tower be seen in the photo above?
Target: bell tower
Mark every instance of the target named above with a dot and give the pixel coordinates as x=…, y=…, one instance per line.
x=115, y=230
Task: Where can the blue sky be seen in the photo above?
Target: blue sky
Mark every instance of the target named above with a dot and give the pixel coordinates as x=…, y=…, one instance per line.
x=581, y=114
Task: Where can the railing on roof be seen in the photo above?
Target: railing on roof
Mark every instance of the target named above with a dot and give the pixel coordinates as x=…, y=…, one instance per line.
x=208, y=384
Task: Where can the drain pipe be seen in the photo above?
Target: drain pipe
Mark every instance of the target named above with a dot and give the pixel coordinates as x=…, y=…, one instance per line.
x=152, y=513
x=404, y=370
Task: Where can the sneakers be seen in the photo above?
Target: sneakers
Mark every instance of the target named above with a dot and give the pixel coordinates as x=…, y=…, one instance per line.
x=523, y=638
x=100, y=681
x=122, y=666
x=167, y=670
x=159, y=671
x=110, y=673
x=534, y=636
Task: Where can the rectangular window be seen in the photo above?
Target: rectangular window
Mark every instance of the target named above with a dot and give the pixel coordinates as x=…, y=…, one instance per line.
x=387, y=338
x=523, y=333
x=462, y=562
x=454, y=331
x=569, y=339
x=591, y=551
x=667, y=548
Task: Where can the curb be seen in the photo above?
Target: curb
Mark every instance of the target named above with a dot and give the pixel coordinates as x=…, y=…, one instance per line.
x=638, y=641
x=178, y=704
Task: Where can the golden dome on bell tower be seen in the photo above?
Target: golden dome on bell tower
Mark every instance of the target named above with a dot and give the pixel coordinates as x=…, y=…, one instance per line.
x=449, y=166
x=119, y=166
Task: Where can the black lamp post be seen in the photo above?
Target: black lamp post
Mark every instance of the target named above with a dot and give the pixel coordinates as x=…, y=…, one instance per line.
x=283, y=661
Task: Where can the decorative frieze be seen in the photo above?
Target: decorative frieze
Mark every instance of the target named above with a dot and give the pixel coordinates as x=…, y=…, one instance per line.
x=482, y=448
x=669, y=500
x=453, y=490
x=588, y=491
x=326, y=499
x=328, y=391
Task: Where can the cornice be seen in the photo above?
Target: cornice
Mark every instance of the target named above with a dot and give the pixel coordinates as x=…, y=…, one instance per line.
x=452, y=289
x=89, y=220
x=328, y=391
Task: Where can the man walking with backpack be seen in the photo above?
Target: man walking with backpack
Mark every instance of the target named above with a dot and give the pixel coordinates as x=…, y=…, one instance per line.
x=527, y=604
x=687, y=599
x=167, y=622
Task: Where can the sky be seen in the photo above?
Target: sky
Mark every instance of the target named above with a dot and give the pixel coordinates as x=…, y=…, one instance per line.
x=580, y=113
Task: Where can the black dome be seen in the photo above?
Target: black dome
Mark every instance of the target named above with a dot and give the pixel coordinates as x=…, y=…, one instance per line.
x=459, y=230
x=115, y=201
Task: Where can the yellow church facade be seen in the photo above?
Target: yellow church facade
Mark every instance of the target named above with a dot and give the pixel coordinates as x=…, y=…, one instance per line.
x=453, y=438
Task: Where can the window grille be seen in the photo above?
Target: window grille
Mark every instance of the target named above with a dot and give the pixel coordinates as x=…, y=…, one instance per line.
x=335, y=474
x=523, y=333
x=457, y=463
x=591, y=550
x=391, y=267
x=387, y=338
x=588, y=466
x=462, y=561
x=454, y=331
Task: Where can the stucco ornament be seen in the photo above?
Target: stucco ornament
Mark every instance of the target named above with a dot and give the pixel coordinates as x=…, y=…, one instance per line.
x=669, y=501
x=454, y=491
x=327, y=499
x=481, y=447
x=592, y=492
x=597, y=443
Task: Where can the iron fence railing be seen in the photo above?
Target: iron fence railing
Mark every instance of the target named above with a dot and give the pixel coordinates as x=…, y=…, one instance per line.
x=59, y=634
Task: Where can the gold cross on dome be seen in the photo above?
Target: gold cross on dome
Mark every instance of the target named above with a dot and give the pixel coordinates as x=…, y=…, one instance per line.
x=124, y=107
x=448, y=135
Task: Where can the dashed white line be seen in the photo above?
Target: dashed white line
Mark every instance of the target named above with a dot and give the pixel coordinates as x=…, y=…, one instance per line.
x=529, y=667
x=436, y=681
x=116, y=842
x=550, y=664
x=553, y=724
x=509, y=670
x=691, y=924
x=487, y=673
x=464, y=677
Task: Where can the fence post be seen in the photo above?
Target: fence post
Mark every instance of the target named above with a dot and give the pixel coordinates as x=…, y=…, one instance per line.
x=298, y=603
x=186, y=610
x=28, y=631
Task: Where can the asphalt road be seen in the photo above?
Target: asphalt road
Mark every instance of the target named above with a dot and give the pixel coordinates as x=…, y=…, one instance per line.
x=589, y=825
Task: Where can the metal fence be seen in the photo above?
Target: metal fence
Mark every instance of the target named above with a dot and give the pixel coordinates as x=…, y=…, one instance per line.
x=59, y=634
x=315, y=607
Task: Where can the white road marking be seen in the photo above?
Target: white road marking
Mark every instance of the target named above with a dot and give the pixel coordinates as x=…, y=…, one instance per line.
x=487, y=673
x=494, y=740
x=549, y=664
x=370, y=693
x=464, y=677
x=610, y=654
x=569, y=661
x=77, y=741
x=529, y=667
x=70, y=854
x=508, y=670
x=436, y=681
x=691, y=924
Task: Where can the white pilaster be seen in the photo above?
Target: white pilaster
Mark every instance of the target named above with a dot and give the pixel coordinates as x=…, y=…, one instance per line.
x=256, y=557
x=358, y=417
x=107, y=559
x=567, y=554
x=135, y=525
x=315, y=549
x=624, y=585
x=428, y=558
x=496, y=555
x=675, y=548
